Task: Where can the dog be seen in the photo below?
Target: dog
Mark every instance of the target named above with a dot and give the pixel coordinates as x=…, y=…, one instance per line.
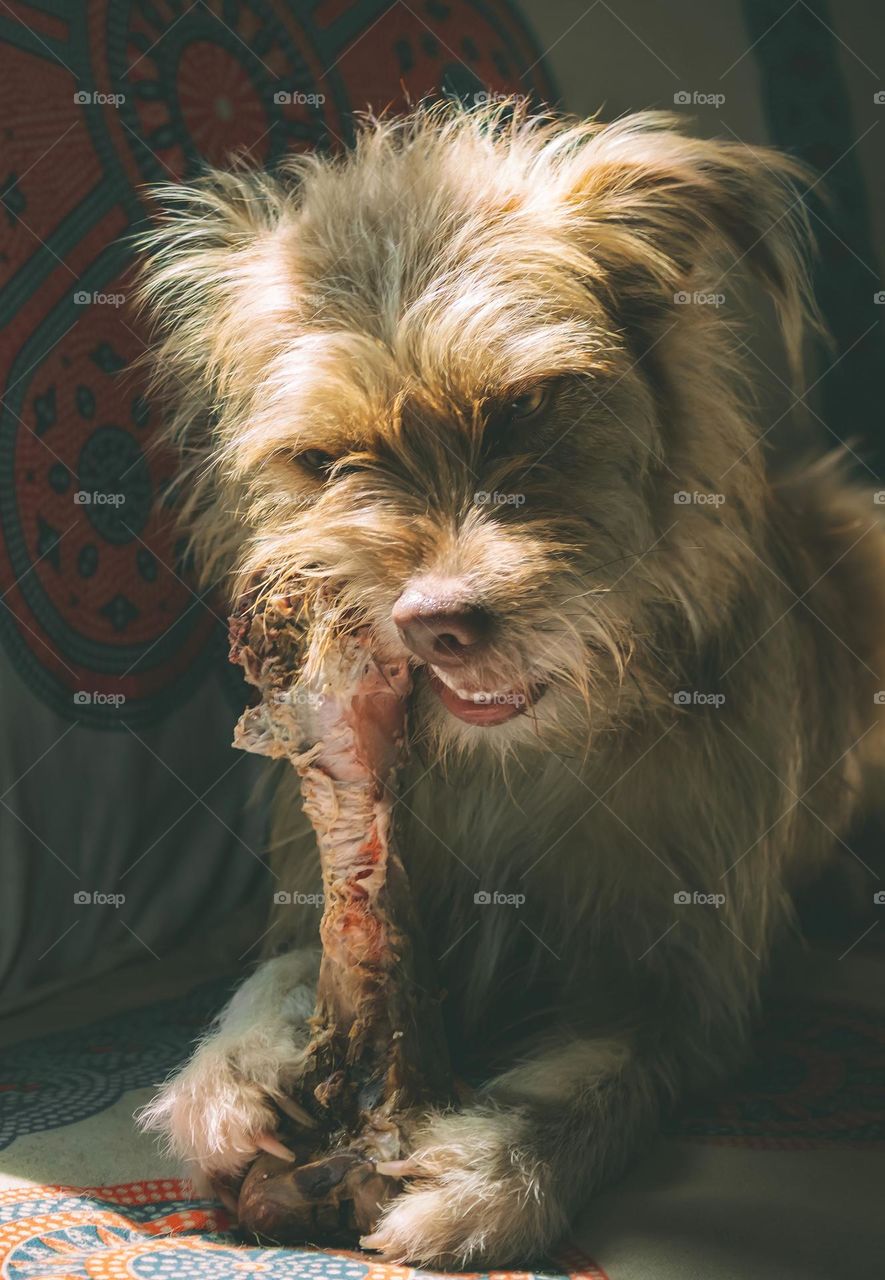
x=465, y=377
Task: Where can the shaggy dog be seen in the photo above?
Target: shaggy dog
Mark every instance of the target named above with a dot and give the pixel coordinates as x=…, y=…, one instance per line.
x=463, y=379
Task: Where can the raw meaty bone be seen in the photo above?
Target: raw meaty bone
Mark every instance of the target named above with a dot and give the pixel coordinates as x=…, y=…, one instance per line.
x=378, y=1051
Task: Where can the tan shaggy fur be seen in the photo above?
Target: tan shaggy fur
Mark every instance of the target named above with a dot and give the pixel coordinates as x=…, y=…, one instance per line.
x=341, y=346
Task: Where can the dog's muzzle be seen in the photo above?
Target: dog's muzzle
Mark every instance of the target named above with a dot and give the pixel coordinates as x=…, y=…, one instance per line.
x=452, y=634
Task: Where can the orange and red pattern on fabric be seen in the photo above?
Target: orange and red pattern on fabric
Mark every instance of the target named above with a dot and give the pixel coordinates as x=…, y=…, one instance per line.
x=97, y=102
x=152, y=1231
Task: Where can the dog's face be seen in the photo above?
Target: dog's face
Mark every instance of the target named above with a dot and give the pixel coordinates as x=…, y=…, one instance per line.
x=451, y=383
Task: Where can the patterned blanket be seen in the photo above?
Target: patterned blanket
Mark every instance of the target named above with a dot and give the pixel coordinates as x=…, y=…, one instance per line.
x=152, y=1231
x=82, y=1194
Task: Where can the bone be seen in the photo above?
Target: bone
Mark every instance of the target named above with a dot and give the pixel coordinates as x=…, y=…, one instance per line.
x=378, y=1055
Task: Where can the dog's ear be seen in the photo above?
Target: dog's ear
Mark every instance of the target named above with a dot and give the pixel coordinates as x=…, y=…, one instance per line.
x=669, y=217
x=218, y=293
x=209, y=283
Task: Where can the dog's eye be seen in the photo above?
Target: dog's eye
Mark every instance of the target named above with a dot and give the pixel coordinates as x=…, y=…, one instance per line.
x=529, y=404
x=315, y=460
x=498, y=432
x=323, y=465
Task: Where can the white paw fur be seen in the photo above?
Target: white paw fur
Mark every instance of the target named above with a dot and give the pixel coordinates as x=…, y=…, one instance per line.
x=481, y=1195
x=213, y=1109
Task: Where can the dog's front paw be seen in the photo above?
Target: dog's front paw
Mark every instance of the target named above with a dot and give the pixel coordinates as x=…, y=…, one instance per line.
x=479, y=1195
x=217, y=1118
x=226, y=1103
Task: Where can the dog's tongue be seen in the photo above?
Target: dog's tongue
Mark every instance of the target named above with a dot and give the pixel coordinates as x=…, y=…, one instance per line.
x=496, y=709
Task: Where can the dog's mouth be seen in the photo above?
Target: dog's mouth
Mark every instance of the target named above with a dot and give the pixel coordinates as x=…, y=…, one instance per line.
x=482, y=707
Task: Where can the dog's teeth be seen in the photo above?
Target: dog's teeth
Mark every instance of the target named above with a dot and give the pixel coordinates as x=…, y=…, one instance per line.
x=483, y=698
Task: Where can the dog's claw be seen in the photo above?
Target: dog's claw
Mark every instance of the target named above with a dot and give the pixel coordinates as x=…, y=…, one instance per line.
x=296, y=1112
x=398, y=1168
x=267, y=1142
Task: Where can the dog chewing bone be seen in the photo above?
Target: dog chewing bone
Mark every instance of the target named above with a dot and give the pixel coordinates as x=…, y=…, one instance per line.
x=378, y=1047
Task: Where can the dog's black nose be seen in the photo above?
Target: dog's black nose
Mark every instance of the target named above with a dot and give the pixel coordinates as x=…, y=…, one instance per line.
x=440, y=627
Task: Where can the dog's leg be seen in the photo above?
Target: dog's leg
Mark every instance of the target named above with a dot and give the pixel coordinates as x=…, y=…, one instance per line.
x=499, y=1182
x=221, y=1107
